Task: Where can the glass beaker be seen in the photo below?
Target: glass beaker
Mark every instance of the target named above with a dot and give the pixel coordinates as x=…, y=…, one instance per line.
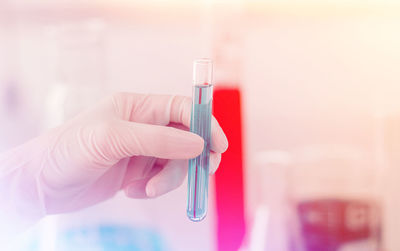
x=333, y=200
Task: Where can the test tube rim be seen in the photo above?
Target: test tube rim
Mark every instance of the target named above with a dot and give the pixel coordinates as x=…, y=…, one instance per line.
x=203, y=61
x=206, y=64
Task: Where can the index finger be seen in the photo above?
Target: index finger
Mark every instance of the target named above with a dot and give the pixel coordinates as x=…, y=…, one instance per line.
x=152, y=109
x=163, y=110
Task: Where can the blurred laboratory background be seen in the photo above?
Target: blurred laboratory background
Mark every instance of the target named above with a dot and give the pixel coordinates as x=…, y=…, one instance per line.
x=307, y=92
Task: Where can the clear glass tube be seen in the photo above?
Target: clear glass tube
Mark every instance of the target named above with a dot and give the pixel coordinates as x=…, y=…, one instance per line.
x=200, y=124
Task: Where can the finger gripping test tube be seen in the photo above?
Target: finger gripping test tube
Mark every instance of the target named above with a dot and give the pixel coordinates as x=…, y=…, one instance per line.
x=200, y=124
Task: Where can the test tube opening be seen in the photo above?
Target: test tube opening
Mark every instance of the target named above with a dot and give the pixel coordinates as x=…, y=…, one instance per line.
x=202, y=71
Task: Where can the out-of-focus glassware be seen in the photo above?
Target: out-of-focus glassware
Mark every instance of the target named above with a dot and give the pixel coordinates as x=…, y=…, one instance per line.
x=334, y=199
x=269, y=229
x=387, y=125
x=78, y=55
x=18, y=121
x=317, y=198
x=227, y=48
x=77, y=61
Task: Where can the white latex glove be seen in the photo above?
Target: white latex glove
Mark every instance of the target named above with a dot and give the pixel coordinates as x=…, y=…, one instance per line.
x=134, y=142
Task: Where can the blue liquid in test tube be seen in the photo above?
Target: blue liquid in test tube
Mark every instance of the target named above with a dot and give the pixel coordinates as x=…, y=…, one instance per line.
x=200, y=124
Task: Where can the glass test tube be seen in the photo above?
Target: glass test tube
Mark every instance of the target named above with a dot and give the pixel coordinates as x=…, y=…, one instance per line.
x=201, y=125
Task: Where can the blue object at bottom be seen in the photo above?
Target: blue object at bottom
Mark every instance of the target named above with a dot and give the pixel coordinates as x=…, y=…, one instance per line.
x=101, y=238
x=110, y=238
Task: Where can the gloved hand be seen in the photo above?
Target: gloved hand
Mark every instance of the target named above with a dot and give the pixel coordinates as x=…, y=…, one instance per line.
x=138, y=143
